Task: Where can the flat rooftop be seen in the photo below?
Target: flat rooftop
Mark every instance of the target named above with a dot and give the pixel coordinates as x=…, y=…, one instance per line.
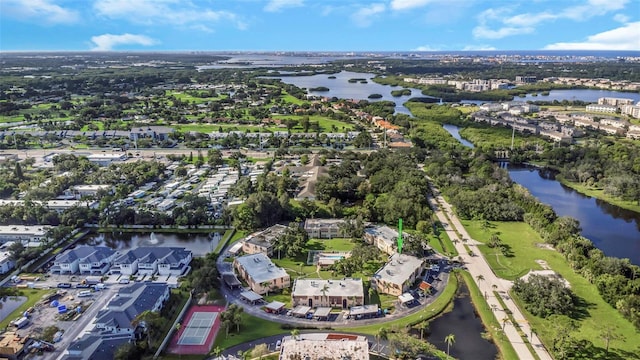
x=385, y=233
x=310, y=348
x=398, y=269
x=319, y=223
x=260, y=268
x=313, y=287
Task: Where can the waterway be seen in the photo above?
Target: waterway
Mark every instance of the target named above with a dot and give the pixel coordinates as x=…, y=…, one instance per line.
x=199, y=244
x=341, y=88
x=454, y=131
x=466, y=326
x=589, y=95
x=612, y=229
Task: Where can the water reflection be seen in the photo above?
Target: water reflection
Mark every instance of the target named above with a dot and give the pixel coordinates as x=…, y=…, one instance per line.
x=199, y=244
x=464, y=323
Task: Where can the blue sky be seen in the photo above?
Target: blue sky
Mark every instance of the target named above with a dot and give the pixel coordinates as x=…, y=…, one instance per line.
x=319, y=25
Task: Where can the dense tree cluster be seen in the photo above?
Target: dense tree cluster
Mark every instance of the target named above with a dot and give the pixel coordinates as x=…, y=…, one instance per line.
x=544, y=296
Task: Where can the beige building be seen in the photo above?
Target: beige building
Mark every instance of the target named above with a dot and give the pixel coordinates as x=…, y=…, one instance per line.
x=343, y=293
x=316, y=346
x=397, y=275
x=324, y=228
x=262, y=241
x=383, y=237
x=261, y=274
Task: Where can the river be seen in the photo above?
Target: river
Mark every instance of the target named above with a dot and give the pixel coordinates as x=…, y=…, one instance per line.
x=466, y=326
x=612, y=229
x=341, y=88
x=199, y=244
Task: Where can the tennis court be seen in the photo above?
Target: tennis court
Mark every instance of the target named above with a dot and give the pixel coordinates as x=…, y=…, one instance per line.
x=198, y=328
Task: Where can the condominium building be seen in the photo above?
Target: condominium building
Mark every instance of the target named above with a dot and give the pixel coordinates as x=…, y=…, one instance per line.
x=398, y=274
x=260, y=273
x=343, y=293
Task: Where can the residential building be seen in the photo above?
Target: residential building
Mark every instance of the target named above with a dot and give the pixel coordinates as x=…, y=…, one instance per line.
x=260, y=273
x=80, y=191
x=324, y=228
x=526, y=79
x=602, y=108
x=85, y=260
x=262, y=241
x=343, y=293
x=615, y=101
x=383, y=237
x=160, y=260
x=398, y=274
x=104, y=159
x=621, y=124
x=631, y=110
x=158, y=133
x=96, y=347
x=128, y=303
x=324, y=346
x=25, y=234
x=6, y=261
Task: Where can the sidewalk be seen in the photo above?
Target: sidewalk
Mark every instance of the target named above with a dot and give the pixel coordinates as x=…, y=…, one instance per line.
x=478, y=266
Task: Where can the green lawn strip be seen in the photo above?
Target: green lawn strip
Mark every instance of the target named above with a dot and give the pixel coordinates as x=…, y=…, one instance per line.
x=33, y=296
x=291, y=99
x=523, y=242
x=489, y=320
x=516, y=324
x=600, y=194
x=324, y=122
x=449, y=248
x=208, y=128
x=251, y=328
x=237, y=235
x=432, y=310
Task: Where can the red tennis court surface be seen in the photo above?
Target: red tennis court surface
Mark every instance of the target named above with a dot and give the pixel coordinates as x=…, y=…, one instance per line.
x=180, y=344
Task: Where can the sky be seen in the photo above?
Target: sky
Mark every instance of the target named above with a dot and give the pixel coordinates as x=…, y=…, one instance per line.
x=319, y=25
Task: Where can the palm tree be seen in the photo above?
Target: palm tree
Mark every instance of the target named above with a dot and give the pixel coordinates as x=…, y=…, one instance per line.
x=423, y=326
x=494, y=307
x=494, y=287
x=505, y=320
x=479, y=278
x=295, y=333
x=324, y=290
x=381, y=334
x=450, y=340
x=266, y=284
x=217, y=351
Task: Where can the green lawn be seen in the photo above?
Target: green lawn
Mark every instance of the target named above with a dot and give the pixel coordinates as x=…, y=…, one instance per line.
x=192, y=99
x=33, y=296
x=523, y=243
x=337, y=244
x=324, y=122
x=291, y=99
x=599, y=193
x=251, y=328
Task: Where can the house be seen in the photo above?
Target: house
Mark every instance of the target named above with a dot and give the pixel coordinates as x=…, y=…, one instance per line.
x=80, y=191
x=86, y=260
x=343, y=293
x=260, y=273
x=398, y=274
x=325, y=346
x=383, y=237
x=104, y=159
x=262, y=241
x=6, y=261
x=128, y=303
x=158, y=133
x=324, y=228
x=28, y=235
x=151, y=260
x=96, y=346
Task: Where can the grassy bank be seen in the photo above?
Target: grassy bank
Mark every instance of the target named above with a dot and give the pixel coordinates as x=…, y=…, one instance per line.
x=252, y=328
x=527, y=251
x=33, y=296
x=488, y=319
x=599, y=193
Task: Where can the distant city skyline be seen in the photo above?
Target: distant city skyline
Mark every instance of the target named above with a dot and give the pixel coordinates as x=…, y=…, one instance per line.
x=318, y=25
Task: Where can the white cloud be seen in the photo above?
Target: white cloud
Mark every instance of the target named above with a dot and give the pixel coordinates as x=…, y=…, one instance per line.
x=162, y=12
x=363, y=17
x=42, y=11
x=509, y=25
x=277, y=5
x=622, y=18
x=106, y=42
x=478, y=48
x=425, y=48
x=622, y=38
x=407, y=4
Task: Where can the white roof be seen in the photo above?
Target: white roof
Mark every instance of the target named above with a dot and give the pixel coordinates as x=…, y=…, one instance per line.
x=25, y=230
x=260, y=268
x=250, y=296
x=313, y=287
x=398, y=269
x=406, y=297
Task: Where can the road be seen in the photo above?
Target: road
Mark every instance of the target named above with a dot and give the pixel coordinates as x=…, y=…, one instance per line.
x=102, y=297
x=479, y=269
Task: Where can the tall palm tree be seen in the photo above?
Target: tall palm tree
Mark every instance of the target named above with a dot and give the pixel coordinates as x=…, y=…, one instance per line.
x=295, y=333
x=505, y=320
x=479, y=278
x=266, y=284
x=494, y=287
x=423, y=326
x=450, y=340
x=381, y=334
x=324, y=290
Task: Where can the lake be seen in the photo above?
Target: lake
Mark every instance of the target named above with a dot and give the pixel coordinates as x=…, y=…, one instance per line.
x=612, y=229
x=341, y=88
x=589, y=95
x=199, y=244
x=467, y=327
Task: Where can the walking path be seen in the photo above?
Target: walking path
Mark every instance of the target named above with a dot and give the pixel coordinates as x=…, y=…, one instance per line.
x=486, y=279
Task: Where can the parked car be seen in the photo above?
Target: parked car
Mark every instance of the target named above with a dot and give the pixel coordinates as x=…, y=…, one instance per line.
x=82, y=286
x=64, y=285
x=124, y=281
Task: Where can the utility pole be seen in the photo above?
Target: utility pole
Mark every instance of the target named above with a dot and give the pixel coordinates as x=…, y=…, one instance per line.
x=513, y=134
